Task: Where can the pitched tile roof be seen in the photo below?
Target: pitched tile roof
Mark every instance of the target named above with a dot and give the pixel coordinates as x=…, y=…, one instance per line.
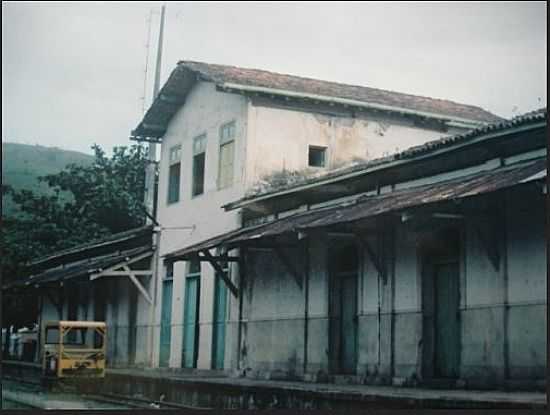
x=184, y=75
x=256, y=77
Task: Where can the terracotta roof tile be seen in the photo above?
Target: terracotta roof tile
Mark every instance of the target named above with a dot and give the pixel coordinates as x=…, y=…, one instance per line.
x=266, y=79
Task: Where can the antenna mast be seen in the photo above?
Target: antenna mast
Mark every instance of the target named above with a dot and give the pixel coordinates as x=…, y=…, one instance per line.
x=147, y=46
x=150, y=174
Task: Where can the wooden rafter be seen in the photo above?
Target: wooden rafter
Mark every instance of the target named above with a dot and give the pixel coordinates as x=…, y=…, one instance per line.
x=375, y=259
x=108, y=271
x=136, y=282
x=489, y=241
x=221, y=258
x=219, y=271
x=124, y=273
x=58, y=304
x=122, y=269
x=285, y=260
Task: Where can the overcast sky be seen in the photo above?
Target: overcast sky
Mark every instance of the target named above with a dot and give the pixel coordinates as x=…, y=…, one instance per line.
x=73, y=73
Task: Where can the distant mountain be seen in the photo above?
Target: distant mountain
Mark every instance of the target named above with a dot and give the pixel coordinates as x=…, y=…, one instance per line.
x=22, y=164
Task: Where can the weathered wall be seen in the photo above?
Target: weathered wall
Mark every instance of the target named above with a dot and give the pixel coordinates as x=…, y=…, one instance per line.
x=204, y=112
x=347, y=138
x=273, y=335
x=318, y=323
x=526, y=323
x=407, y=330
x=502, y=310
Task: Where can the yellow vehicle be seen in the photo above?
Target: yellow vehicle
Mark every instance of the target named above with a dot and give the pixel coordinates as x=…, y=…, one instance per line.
x=73, y=349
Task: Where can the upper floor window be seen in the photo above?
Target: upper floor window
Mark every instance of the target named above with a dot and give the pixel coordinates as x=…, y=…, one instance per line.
x=199, y=156
x=174, y=173
x=317, y=156
x=227, y=155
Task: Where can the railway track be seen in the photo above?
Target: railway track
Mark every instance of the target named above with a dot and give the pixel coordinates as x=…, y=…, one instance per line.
x=34, y=385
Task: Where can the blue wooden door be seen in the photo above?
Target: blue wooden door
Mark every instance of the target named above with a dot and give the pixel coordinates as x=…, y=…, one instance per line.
x=218, y=333
x=190, y=321
x=165, y=323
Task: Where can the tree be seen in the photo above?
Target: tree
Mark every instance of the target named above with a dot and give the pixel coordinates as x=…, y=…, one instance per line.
x=89, y=202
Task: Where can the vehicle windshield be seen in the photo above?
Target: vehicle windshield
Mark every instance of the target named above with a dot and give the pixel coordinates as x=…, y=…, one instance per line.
x=75, y=336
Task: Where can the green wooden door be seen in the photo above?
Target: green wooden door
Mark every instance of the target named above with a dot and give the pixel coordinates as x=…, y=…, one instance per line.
x=348, y=324
x=218, y=333
x=446, y=320
x=165, y=323
x=190, y=321
x=343, y=327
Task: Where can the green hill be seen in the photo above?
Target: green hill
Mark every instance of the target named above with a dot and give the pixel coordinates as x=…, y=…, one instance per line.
x=22, y=164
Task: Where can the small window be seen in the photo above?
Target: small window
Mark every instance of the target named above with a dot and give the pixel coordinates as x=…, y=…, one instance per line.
x=227, y=155
x=199, y=156
x=174, y=173
x=317, y=156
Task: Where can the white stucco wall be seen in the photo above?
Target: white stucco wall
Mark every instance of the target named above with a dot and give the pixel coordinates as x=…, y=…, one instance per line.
x=204, y=112
x=278, y=138
x=200, y=217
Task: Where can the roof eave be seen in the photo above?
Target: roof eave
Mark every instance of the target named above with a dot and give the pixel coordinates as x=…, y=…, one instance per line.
x=387, y=165
x=456, y=121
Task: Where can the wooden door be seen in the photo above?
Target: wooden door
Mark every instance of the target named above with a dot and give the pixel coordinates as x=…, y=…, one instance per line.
x=190, y=321
x=344, y=268
x=218, y=332
x=348, y=323
x=446, y=320
x=165, y=323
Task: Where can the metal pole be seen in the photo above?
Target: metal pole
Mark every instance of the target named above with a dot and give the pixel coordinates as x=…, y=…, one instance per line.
x=150, y=193
x=150, y=174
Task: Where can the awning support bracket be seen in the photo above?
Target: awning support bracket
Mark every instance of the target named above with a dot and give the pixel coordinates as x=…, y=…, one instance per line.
x=372, y=256
x=285, y=260
x=489, y=242
x=138, y=285
x=220, y=273
x=57, y=304
x=110, y=270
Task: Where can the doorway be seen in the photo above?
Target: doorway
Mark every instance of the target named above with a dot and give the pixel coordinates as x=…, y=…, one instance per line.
x=343, y=268
x=191, y=316
x=441, y=302
x=218, y=332
x=166, y=322
x=446, y=320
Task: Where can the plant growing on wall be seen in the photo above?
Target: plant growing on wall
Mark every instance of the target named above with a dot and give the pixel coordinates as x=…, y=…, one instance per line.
x=287, y=178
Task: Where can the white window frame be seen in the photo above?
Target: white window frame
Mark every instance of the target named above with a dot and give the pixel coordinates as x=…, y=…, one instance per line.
x=226, y=139
x=172, y=160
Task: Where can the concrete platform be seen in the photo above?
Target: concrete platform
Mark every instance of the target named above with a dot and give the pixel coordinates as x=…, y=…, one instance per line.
x=215, y=389
x=219, y=390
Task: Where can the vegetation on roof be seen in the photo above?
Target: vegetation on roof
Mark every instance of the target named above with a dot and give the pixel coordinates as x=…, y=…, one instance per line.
x=271, y=185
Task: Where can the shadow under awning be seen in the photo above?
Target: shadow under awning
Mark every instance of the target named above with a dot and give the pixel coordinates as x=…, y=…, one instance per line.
x=368, y=206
